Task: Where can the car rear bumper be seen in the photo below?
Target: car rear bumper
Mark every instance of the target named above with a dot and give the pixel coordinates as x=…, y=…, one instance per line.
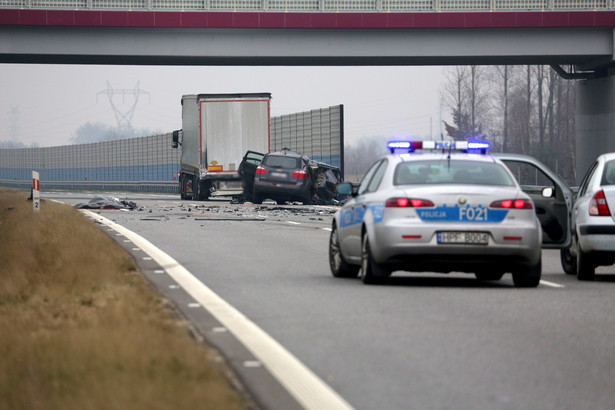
x=298, y=191
x=417, y=249
x=597, y=238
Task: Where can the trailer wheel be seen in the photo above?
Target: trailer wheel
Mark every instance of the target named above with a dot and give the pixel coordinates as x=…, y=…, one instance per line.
x=182, y=187
x=196, y=190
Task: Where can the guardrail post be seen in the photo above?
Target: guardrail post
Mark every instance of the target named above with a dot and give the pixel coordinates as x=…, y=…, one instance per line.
x=36, y=192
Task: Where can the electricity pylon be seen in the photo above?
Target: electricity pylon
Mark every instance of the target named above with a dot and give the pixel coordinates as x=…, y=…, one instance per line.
x=123, y=117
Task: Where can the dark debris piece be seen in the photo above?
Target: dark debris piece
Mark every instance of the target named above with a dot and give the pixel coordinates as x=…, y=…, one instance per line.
x=107, y=202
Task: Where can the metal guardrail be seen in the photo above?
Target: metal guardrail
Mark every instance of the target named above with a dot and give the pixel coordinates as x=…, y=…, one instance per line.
x=132, y=186
x=314, y=5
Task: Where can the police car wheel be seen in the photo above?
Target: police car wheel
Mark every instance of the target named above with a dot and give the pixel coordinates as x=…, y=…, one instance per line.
x=527, y=276
x=371, y=272
x=339, y=267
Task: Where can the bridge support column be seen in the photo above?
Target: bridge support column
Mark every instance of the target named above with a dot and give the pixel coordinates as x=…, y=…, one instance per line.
x=595, y=122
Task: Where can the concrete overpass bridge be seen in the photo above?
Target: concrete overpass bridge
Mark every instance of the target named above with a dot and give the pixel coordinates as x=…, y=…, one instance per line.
x=576, y=37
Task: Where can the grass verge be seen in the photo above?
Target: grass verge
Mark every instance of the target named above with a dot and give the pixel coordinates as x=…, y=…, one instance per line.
x=80, y=328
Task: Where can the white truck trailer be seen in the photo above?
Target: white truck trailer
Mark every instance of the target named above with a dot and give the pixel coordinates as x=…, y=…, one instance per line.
x=217, y=130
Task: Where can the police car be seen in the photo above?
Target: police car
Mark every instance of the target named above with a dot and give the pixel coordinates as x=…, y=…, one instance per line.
x=440, y=207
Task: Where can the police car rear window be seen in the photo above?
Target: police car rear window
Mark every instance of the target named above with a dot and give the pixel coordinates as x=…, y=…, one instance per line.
x=451, y=172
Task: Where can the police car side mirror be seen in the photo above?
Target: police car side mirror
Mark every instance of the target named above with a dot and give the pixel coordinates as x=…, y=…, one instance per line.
x=547, y=192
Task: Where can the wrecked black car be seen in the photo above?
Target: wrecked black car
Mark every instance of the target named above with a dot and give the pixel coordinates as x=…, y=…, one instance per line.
x=287, y=176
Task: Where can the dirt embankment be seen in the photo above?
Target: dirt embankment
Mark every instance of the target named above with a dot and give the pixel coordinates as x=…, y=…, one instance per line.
x=80, y=328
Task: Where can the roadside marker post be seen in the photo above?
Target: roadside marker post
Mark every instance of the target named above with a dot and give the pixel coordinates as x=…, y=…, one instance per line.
x=36, y=191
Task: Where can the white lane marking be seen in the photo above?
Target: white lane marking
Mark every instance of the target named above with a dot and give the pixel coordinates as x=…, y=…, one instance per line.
x=551, y=284
x=327, y=229
x=305, y=386
x=293, y=222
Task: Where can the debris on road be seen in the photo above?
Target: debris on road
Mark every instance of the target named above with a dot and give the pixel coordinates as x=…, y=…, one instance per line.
x=107, y=202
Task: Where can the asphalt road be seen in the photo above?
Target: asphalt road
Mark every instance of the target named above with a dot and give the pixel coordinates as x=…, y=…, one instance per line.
x=428, y=341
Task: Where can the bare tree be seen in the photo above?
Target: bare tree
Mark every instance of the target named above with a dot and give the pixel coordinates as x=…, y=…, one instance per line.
x=477, y=97
x=454, y=98
x=502, y=79
x=466, y=96
x=360, y=156
x=525, y=109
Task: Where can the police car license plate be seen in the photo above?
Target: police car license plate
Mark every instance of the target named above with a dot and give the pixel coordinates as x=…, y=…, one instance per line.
x=474, y=238
x=278, y=174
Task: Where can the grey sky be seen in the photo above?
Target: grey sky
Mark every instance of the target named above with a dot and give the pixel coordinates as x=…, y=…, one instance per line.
x=54, y=100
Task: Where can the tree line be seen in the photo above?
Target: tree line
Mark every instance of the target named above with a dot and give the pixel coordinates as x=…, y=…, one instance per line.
x=518, y=109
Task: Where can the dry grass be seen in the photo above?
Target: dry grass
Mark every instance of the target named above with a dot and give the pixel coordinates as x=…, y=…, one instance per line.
x=81, y=329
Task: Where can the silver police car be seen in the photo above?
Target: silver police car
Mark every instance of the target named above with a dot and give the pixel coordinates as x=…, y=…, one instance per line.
x=440, y=207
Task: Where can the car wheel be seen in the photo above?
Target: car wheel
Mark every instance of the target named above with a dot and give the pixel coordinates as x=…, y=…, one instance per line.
x=307, y=200
x=568, y=261
x=339, y=267
x=257, y=198
x=489, y=275
x=527, y=276
x=371, y=271
x=586, y=270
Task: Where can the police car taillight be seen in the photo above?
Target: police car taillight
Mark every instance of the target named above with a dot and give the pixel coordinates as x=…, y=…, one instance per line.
x=407, y=203
x=598, y=205
x=512, y=203
x=260, y=170
x=300, y=174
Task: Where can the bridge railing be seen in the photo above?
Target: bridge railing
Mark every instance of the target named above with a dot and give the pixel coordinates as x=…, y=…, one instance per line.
x=314, y=5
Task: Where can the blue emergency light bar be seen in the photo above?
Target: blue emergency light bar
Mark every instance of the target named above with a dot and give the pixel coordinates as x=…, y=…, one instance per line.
x=464, y=146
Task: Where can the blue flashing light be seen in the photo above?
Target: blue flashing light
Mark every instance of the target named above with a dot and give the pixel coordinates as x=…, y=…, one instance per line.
x=404, y=145
x=482, y=146
x=464, y=146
